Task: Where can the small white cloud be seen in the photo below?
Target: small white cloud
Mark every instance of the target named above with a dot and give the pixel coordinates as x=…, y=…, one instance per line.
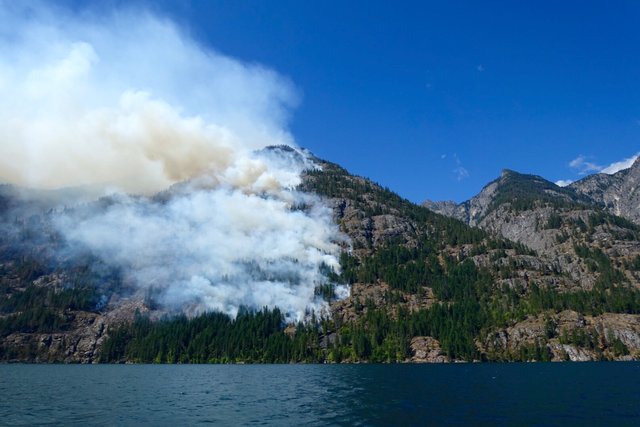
x=480, y=68
x=618, y=166
x=461, y=173
x=443, y=156
x=583, y=165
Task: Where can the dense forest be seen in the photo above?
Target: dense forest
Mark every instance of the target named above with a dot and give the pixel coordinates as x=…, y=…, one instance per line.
x=469, y=307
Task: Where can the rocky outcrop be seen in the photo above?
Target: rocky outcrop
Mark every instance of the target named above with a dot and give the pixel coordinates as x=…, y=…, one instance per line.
x=568, y=336
x=522, y=208
x=554, y=221
x=618, y=193
x=427, y=350
x=449, y=208
x=379, y=295
x=79, y=343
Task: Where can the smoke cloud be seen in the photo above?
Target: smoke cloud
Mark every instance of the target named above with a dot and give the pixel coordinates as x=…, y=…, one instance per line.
x=125, y=99
x=126, y=104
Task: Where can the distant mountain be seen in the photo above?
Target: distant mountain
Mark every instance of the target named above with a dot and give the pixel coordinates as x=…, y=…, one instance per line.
x=520, y=191
x=618, y=193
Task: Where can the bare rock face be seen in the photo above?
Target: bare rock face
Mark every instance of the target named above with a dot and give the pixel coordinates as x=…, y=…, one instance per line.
x=379, y=295
x=618, y=193
x=625, y=327
x=427, y=350
x=569, y=352
x=80, y=343
x=366, y=228
x=506, y=188
x=570, y=336
x=447, y=208
x=518, y=226
x=553, y=221
x=471, y=211
x=509, y=340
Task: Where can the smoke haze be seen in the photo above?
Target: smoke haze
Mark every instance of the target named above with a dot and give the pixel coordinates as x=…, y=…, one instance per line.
x=125, y=99
x=127, y=105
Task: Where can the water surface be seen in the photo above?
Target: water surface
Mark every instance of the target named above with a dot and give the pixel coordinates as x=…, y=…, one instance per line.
x=566, y=394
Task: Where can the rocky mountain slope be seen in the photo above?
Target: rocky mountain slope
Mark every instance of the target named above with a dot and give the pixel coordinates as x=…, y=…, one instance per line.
x=564, y=248
x=575, y=229
x=544, y=273
x=554, y=221
x=618, y=193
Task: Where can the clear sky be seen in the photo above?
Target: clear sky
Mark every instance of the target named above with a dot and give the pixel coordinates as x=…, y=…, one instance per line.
x=433, y=99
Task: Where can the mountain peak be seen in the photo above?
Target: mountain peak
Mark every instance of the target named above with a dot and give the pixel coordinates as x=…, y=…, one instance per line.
x=508, y=172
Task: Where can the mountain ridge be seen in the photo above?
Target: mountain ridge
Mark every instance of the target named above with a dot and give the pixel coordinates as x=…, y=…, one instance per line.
x=618, y=193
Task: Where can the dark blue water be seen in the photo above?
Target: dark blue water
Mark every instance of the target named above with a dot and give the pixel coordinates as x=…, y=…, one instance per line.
x=604, y=394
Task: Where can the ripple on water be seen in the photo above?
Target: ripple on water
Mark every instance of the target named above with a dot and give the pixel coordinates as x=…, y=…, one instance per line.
x=543, y=394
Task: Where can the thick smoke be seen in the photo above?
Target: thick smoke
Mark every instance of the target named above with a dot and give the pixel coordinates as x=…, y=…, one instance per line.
x=126, y=100
x=127, y=105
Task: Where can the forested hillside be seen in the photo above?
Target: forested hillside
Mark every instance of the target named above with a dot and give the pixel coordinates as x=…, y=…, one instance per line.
x=424, y=287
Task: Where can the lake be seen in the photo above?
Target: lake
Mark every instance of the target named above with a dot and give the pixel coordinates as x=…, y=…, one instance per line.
x=562, y=394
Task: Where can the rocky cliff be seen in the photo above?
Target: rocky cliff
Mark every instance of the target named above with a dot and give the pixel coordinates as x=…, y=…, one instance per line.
x=618, y=193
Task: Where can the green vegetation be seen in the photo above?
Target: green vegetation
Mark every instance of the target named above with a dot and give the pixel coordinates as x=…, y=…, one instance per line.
x=554, y=222
x=371, y=199
x=478, y=282
x=470, y=301
x=525, y=192
x=256, y=337
x=471, y=307
x=41, y=309
x=633, y=264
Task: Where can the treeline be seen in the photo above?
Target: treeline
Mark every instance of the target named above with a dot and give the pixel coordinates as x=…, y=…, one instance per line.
x=252, y=337
x=262, y=337
x=470, y=308
x=43, y=309
x=409, y=269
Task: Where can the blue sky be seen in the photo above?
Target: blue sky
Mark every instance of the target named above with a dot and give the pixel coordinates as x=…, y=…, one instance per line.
x=433, y=99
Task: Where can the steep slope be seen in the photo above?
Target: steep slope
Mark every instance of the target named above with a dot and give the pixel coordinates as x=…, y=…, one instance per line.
x=522, y=192
x=618, y=193
x=423, y=269
x=54, y=306
x=552, y=220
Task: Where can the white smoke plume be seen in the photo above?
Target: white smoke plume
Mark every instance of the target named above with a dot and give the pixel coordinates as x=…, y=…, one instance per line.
x=126, y=104
x=125, y=99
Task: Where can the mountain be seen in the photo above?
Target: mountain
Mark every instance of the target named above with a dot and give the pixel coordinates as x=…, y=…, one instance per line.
x=541, y=215
x=520, y=191
x=526, y=270
x=618, y=193
x=573, y=229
